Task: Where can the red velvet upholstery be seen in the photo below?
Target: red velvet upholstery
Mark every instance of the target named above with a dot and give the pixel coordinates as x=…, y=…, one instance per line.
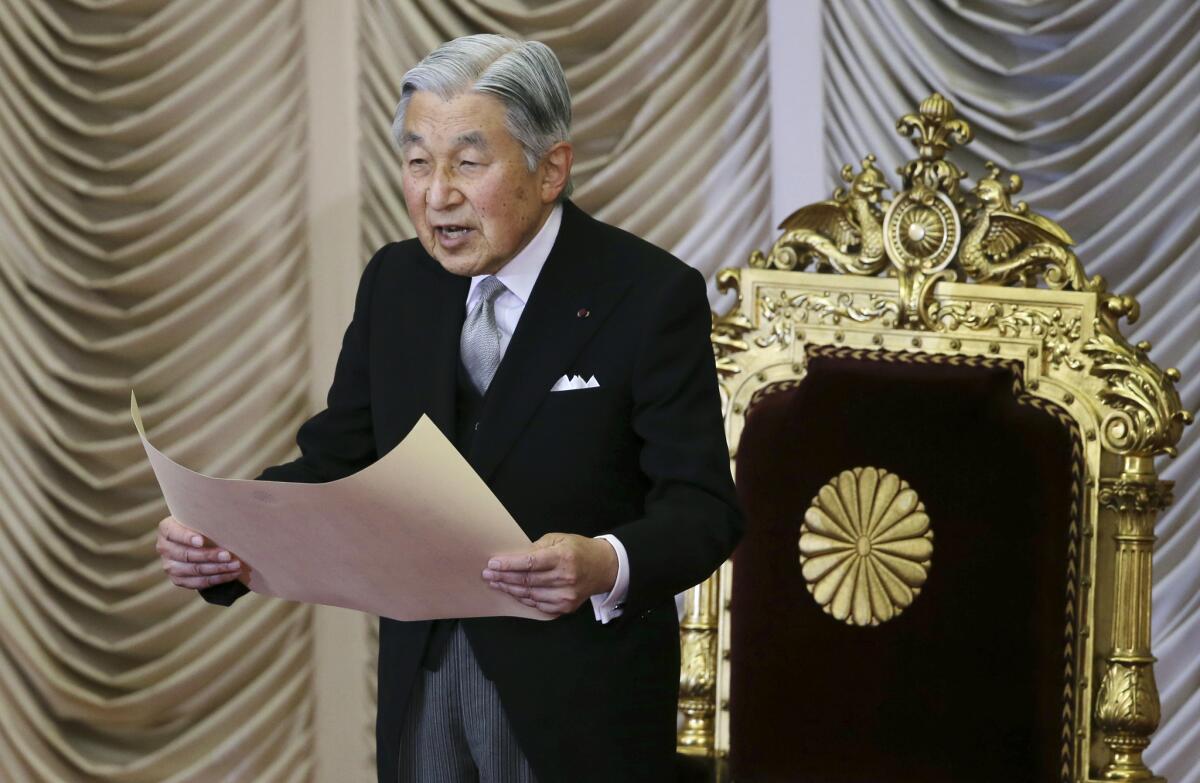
x=966, y=684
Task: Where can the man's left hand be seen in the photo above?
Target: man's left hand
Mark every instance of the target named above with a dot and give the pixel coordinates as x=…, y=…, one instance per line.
x=557, y=574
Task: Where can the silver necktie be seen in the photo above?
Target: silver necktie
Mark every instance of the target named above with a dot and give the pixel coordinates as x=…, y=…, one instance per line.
x=480, y=343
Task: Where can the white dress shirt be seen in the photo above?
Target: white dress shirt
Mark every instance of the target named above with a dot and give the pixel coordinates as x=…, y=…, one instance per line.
x=518, y=277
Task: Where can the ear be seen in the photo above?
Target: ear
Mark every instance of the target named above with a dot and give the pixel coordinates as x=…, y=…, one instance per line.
x=556, y=170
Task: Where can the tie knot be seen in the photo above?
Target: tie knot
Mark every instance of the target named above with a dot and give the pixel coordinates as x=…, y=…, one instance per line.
x=490, y=287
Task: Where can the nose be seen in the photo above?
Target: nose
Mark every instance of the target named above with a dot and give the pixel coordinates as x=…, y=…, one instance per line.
x=442, y=192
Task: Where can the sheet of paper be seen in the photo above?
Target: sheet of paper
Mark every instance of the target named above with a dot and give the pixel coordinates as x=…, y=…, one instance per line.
x=406, y=537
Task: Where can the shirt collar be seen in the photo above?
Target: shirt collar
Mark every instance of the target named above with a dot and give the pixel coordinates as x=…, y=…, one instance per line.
x=519, y=274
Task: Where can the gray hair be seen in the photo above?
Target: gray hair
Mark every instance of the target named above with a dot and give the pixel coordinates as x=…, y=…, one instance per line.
x=525, y=75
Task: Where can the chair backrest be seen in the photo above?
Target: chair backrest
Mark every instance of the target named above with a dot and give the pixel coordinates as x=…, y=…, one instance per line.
x=950, y=487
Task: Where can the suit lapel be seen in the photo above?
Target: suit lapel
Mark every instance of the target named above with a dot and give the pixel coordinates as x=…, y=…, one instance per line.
x=439, y=311
x=568, y=304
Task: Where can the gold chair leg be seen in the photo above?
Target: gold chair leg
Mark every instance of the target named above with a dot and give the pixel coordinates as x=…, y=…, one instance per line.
x=698, y=669
x=1127, y=706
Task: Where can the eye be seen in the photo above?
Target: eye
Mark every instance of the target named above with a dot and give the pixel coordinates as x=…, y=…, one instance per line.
x=468, y=164
x=414, y=163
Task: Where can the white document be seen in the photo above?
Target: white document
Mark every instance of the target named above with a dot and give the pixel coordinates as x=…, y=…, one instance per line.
x=406, y=537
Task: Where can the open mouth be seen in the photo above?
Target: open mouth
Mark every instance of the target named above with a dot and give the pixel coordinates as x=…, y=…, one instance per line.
x=451, y=233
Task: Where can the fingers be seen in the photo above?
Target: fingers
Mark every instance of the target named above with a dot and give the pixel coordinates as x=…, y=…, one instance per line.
x=173, y=530
x=547, y=578
x=542, y=594
x=176, y=568
x=534, y=560
x=551, y=600
x=554, y=578
x=549, y=567
x=169, y=550
x=200, y=582
x=556, y=561
x=188, y=562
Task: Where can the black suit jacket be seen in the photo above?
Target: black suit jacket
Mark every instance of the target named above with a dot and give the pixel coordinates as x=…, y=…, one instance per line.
x=643, y=456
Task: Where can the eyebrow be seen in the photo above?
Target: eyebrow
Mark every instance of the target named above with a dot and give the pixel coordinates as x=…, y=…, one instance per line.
x=468, y=139
x=471, y=139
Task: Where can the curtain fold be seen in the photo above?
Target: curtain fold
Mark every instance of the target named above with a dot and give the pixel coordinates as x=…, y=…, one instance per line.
x=152, y=184
x=1096, y=105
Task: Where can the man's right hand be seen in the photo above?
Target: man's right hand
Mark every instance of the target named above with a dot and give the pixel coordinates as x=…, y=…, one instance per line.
x=192, y=561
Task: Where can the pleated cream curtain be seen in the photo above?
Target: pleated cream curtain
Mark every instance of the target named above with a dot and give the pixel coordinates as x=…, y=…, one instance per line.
x=151, y=237
x=670, y=111
x=1097, y=104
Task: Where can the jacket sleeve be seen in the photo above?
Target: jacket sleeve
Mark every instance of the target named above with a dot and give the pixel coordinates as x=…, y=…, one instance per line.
x=692, y=518
x=338, y=441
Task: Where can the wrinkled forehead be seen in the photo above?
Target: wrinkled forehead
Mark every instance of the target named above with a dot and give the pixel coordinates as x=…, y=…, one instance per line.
x=473, y=139
x=468, y=119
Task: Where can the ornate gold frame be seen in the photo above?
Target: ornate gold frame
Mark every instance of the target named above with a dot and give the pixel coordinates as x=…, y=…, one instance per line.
x=1064, y=343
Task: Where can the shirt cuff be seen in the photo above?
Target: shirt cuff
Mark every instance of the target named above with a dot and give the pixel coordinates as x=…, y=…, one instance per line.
x=608, y=606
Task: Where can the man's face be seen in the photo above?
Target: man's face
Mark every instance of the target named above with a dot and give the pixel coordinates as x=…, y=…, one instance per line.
x=472, y=198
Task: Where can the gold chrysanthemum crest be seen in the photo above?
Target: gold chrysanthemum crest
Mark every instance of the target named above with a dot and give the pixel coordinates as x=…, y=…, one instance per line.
x=865, y=546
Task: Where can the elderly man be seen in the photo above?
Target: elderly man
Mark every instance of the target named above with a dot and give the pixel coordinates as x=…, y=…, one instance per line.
x=623, y=485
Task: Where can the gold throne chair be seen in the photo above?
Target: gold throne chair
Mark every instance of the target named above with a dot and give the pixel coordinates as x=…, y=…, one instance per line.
x=946, y=452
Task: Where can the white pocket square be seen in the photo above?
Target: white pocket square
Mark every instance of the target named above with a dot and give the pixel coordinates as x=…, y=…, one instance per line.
x=573, y=382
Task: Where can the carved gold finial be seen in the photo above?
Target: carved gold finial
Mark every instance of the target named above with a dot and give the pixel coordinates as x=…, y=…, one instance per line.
x=865, y=546
x=934, y=129
x=937, y=108
x=938, y=126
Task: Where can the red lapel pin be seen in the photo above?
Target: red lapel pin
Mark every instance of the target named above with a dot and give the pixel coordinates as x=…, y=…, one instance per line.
x=583, y=313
